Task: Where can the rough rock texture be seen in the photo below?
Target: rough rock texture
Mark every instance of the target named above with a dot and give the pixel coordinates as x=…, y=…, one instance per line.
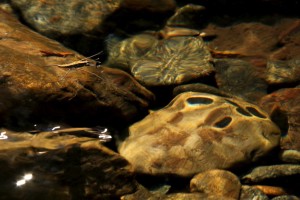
x=256, y=41
x=284, y=106
x=283, y=72
x=217, y=182
x=154, y=62
x=59, y=17
x=33, y=86
x=174, y=61
x=197, y=132
x=262, y=173
x=239, y=78
x=83, y=24
x=249, y=192
x=59, y=165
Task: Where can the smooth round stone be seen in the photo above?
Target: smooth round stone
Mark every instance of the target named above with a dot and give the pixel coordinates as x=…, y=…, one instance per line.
x=217, y=182
x=197, y=132
x=290, y=156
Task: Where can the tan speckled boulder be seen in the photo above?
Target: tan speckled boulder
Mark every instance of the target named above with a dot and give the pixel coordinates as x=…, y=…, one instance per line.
x=198, y=132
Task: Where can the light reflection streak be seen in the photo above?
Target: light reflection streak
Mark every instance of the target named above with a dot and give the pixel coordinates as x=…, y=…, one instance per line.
x=55, y=127
x=3, y=135
x=105, y=137
x=27, y=177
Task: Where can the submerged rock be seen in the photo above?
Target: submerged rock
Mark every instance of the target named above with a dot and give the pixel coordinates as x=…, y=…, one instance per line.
x=249, y=192
x=67, y=17
x=189, y=16
x=239, y=78
x=217, y=182
x=170, y=61
x=60, y=165
x=198, y=132
x=283, y=72
x=284, y=107
x=41, y=79
x=263, y=173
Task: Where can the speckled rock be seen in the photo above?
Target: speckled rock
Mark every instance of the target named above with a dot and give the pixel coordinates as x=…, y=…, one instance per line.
x=35, y=85
x=156, y=62
x=283, y=72
x=61, y=165
x=60, y=18
x=262, y=173
x=84, y=24
x=217, y=182
x=284, y=106
x=198, y=132
x=249, y=192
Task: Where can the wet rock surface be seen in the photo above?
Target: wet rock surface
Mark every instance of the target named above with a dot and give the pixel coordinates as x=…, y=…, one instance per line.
x=176, y=139
x=84, y=24
x=283, y=72
x=232, y=52
x=61, y=165
x=171, y=61
x=285, y=108
x=249, y=192
x=36, y=84
x=228, y=184
x=239, y=78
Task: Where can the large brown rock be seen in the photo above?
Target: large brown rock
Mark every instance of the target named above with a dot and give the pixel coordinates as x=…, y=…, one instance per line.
x=198, y=132
x=284, y=106
x=33, y=87
x=82, y=24
x=61, y=165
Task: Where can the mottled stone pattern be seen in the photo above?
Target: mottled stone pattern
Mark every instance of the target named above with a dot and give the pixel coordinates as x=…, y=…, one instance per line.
x=197, y=132
x=249, y=192
x=283, y=72
x=154, y=62
x=262, y=173
x=57, y=17
x=123, y=53
x=217, y=182
x=174, y=61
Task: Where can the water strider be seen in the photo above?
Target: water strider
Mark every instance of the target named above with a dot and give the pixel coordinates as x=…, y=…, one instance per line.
x=81, y=63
